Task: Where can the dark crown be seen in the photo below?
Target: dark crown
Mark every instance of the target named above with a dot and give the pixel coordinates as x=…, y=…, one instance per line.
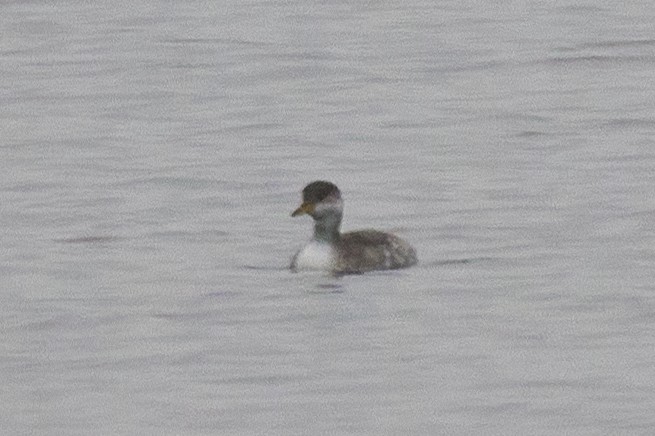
x=319, y=190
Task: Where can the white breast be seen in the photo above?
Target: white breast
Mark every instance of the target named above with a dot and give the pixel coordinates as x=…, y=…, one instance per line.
x=314, y=256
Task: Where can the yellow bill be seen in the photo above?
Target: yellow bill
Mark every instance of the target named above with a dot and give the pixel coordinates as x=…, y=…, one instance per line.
x=305, y=208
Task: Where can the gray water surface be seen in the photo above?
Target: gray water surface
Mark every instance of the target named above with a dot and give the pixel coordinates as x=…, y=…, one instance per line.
x=151, y=155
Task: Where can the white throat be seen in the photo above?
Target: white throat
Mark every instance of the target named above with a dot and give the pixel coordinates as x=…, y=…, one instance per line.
x=316, y=255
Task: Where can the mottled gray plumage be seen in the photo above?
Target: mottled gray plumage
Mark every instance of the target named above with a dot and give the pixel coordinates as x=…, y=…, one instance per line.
x=368, y=250
x=347, y=253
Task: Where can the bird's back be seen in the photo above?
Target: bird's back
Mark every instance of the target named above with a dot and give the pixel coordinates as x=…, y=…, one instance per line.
x=368, y=250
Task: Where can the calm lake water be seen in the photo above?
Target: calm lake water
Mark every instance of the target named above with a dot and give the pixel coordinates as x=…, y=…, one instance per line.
x=151, y=155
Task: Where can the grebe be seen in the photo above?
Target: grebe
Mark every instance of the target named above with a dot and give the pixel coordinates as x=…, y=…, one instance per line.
x=344, y=253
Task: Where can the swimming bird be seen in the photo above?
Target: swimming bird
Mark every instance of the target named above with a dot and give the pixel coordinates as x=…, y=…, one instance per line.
x=344, y=253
